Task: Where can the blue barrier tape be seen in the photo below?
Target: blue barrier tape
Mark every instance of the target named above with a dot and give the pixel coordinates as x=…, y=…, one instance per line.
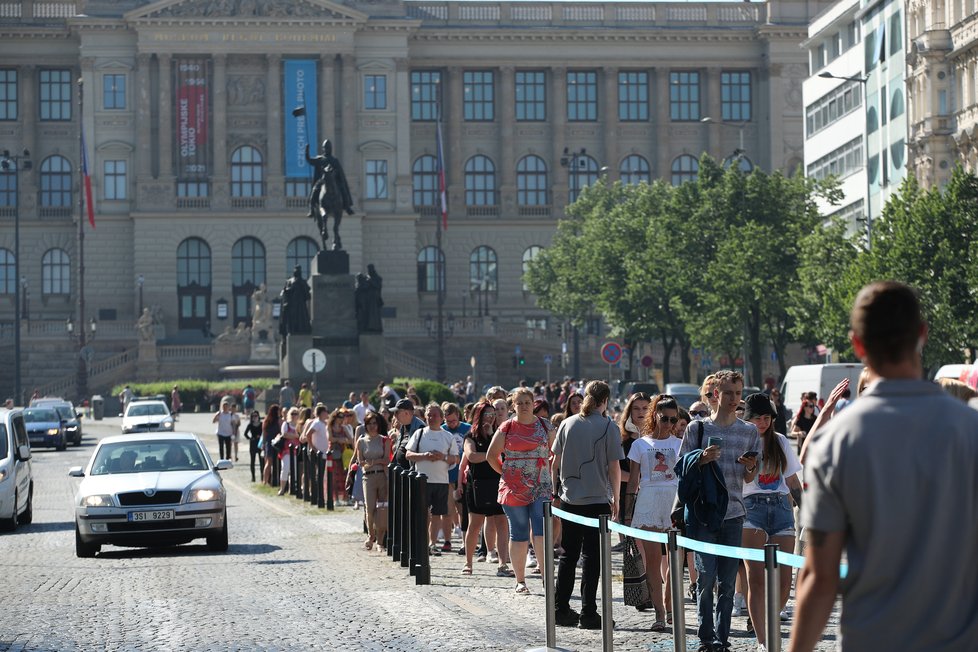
x=750, y=554
x=574, y=518
x=655, y=537
x=797, y=561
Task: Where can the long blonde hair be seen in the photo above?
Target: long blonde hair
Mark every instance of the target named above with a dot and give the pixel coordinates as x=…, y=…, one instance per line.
x=595, y=393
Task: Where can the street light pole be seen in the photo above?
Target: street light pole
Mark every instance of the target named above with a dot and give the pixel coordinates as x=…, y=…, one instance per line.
x=869, y=213
x=7, y=162
x=82, y=371
x=740, y=151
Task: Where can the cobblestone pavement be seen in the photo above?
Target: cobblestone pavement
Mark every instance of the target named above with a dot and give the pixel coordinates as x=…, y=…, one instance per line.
x=294, y=578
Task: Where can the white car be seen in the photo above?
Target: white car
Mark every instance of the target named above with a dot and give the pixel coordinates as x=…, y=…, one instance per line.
x=150, y=490
x=147, y=416
x=16, y=479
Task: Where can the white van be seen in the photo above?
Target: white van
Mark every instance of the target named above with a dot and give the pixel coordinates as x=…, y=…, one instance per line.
x=818, y=378
x=954, y=371
x=16, y=479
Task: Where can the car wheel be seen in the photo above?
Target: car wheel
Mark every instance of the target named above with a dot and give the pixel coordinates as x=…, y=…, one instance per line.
x=10, y=524
x=28, y=516
x=219, y=542
x=78, y=438
x=83, y=549
x=62, y=443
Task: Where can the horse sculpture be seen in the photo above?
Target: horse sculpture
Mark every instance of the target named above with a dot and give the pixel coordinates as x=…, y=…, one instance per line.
x=329, y=203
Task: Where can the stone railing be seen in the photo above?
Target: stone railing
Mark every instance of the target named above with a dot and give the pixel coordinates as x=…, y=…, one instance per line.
x=112, y=363
x=399, y=362
x=185, y=351
x=33, y=10
x=55, y=328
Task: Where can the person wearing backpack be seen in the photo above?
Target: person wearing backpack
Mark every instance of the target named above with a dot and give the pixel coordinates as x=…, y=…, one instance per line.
x=248, y=398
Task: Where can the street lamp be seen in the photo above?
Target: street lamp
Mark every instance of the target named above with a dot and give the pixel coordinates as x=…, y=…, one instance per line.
x=85, y=352
x=15, y=163
x=740, y=152
x=869, y=214
x=139, y=281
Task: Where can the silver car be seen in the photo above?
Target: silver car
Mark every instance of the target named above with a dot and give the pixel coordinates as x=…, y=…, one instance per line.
x=150, y=490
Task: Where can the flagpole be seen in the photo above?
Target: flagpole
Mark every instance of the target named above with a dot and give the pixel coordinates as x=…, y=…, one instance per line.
x=439, y=265
x=82, y=374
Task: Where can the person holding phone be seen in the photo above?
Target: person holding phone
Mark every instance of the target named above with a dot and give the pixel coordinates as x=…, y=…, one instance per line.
x=770, y=517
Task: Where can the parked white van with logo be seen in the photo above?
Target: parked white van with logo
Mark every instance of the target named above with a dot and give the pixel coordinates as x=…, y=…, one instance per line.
x=16, y=479
x=818, y=378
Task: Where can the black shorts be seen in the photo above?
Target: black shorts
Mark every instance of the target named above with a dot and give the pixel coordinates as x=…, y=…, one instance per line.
x=438, y=499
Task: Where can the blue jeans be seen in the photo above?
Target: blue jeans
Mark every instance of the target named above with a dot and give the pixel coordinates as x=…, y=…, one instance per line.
x=716, y=569
x=521, y=517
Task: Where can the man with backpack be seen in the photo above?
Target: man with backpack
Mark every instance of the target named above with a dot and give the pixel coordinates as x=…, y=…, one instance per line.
x=248, y=398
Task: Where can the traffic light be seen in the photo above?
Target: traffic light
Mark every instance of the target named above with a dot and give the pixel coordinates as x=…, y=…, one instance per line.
x=522, y=361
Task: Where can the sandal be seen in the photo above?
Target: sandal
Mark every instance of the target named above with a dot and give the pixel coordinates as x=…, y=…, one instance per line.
x=668, y=617
x=505, y=571
x=521, y=589
x=368, y=544
x=658, y=626
x=466, y=570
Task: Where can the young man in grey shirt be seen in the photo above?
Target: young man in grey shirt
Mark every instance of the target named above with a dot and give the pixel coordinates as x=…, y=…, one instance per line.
x=731, y=438
x=893, y=481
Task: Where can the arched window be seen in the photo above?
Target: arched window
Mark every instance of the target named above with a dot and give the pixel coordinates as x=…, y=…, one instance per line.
x=247, y=273
x=531, y=181
x=55, y=272
x=528, y=255
x=424, y=180
x=745, y=164
x=583, y=172
x=684, y=168
x=634, y=169
x=483, y=271
x=431, y=270
x=194, y=283
x=246, y=173
x=56, y=182
x=480, y=181
x=8, y=272
x=300, y=252
x=872, y=120
x=896, y=103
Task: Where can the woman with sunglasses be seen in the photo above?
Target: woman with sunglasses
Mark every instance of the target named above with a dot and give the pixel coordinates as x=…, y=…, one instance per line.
x=802, y=424
x=372, y=453
x=630, y=425
x=653, y=459
x=480, y=484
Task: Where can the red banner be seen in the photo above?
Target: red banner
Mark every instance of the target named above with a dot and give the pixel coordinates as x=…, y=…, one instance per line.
x=192, y=111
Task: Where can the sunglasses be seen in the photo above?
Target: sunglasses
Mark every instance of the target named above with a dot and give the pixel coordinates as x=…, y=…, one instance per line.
x=666, y=419
x=701, y=413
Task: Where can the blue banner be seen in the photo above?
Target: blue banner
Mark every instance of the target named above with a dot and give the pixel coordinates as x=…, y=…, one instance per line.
x=301, y=90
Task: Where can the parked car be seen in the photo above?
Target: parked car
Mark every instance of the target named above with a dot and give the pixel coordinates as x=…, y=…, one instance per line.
x=45, y=428
x=150, y=490
x=16, y=475
x=627, y=389
x=685, y=393
x=147, y=415
x=818, y=378
x=71, y=418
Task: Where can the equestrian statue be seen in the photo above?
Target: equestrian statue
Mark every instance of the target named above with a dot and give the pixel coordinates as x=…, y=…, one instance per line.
x=330, y=194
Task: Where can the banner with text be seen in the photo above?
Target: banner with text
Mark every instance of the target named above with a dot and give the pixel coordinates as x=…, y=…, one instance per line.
x=192, y=111
x=300, y=92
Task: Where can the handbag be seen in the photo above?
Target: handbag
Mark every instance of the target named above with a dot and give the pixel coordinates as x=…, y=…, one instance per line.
x=635, y=587
x=278, y=444
x=678, y=514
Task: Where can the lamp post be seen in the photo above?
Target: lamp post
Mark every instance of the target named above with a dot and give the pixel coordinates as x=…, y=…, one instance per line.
x=15, y=163
x=740, y=152
x=81, y=336
x=139, y=281
x=869, y=214
x=439, y=329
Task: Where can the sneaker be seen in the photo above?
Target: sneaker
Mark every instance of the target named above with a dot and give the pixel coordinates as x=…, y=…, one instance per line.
x=434, y=551
x=785, y=616
x=447, y=546
x=481, y=557
x=591, y=621
x=457, y=532
x=761, y=647
x=739, y=605
x=493, y=557
x=532, y=563
x=750, y=627
x=461, y=551
x=691, y=592
x=567, y=617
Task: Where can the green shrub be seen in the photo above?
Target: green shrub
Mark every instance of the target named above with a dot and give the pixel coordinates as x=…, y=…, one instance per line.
x=201, y=395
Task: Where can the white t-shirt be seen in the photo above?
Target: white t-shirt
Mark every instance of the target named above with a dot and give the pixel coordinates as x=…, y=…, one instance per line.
x=361, y=410
x=774, y=483
x=317, y=434
x=426, y=440
x=225, y=425
x=657, y=458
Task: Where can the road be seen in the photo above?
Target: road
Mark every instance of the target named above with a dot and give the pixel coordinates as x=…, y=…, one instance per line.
x=294, y=578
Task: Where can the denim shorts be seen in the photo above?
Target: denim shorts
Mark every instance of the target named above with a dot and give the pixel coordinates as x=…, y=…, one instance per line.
x=520, y=518
x=771, y=513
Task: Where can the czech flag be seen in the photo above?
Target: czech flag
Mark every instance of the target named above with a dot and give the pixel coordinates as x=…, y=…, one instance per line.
x=87, y=181
x=443, y=197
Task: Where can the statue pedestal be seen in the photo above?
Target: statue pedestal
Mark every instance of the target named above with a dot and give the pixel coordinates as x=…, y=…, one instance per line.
x=332, y=263
x=332, y=308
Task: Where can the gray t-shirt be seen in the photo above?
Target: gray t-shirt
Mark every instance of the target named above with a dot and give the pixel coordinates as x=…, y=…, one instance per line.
x=738, y=438
x=898, y=473
x=586, y=445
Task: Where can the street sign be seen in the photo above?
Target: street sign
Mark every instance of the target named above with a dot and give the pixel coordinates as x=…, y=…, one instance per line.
x=611, y=352
x=314, y=361
x=548, y=359
x=647, y=361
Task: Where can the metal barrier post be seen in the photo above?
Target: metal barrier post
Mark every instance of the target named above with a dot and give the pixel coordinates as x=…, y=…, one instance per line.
x=412, y=523
x=607, y=622
x=676, y=555
x=403, y=489
x=393, y=541
x=772, y=578
x=548, y=573
x=276, y=477
x=309, y=478
x=293, y=470
x=300, y=466
x=423, y=573
x=319, y=466
x=329, y=482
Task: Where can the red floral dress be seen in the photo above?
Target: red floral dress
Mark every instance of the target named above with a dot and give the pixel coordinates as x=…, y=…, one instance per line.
x=526, y=463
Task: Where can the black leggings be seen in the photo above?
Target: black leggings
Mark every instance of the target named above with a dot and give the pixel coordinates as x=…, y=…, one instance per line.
x=224, y=444
x=255, y=458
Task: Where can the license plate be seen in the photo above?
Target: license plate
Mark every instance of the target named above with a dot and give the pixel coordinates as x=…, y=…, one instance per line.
x=162, y=515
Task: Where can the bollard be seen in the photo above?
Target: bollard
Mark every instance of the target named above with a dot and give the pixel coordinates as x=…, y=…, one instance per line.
x=676, y=555
x=423, y=573
x=607, y=614
x=329, y=482
x=404, y=490
x=276, y=478
x=309, y=477
x=320, y=465
x=772, y=577
x=300, y=479
x=412, y=522
x=293, y=470
x=393, y=548
x=548, y=573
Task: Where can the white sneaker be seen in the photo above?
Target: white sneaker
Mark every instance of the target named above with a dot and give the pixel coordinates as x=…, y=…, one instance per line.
x=480, y=558
x=785, y=616
x=493, y=557
x=532, y=563
x=739, y=605
x=761, y=647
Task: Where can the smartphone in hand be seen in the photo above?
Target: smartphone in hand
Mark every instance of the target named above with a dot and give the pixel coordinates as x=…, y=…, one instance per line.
x=750, y=454
x=714, y=441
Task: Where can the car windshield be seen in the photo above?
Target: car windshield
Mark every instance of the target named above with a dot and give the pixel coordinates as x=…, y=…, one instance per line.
x=40, y=416
x=65, y=412
x=3, y=442
x=146, y=410
x=139, y=457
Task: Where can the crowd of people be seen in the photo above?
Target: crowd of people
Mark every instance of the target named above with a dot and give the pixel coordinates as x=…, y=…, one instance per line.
x=724, y=470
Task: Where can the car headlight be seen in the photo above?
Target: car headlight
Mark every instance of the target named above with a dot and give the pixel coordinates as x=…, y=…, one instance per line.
x=203, y=495
x=168, y=424
x=52, y=431
x=97, y=500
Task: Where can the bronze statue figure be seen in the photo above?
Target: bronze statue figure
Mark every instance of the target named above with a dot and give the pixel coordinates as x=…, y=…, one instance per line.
x=330, y=194
x=295, y=306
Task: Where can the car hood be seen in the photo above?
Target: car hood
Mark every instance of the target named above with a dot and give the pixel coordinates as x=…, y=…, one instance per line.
x=115, y=483
x=149, y=418
x=41, y=425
